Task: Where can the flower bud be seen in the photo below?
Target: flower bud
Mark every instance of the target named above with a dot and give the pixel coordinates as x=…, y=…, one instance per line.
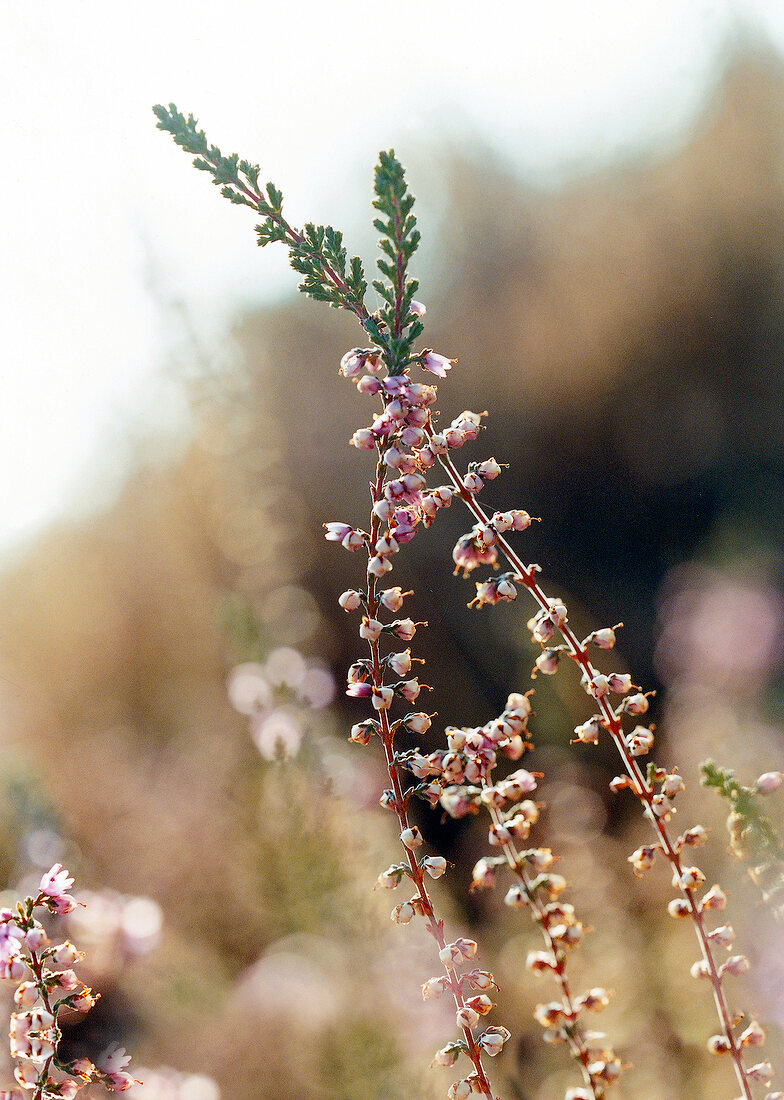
x=434, y=987
x=381, y=698
x=515, y=897
x=753, y=1036
x=492, y=1041
x=735, y=965
x=411, y=838
x=434, y=865
x=714, y=899
x=403, y=914
x=466, y=1017
x=26, y=995
x=350, y=600
x=769, y=782
x=762, y=1072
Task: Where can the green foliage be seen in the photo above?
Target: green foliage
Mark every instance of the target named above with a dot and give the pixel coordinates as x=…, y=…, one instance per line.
x=317, y=253
x=398, y=242
x=756, y=829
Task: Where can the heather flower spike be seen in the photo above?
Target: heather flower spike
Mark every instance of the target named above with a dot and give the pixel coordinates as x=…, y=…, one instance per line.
x=42, y=991
x=409, y=446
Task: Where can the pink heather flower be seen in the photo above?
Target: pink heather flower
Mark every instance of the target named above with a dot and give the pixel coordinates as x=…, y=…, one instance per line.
x=10, y=936
x=417, y=308
x=26, y=995
x=436, y=364
x=336, y=532
x=112, y=1063
x=55, y=885
x=353, y=363
x=769, y=782
x=83, y=1001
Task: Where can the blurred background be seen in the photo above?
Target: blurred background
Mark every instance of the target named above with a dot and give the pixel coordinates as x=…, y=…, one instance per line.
x=601, y=196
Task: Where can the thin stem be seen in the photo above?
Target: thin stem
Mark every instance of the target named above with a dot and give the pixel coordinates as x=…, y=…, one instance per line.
x=434, y=926
x=642, y=788
x=574, y=1034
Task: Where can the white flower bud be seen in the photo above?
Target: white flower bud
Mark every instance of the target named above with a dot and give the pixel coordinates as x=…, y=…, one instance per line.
x=411, y=838
x=715, y=899
x=26, y=994
x=419, y=722
x=588, y=732
x=403, y=914
x=370, y=629
x=604, y=638
x=724, y=936
x=547, y=661
x=382, y=698
x=434, y=865
x=699, y=969
x=515, y=897
x=350, y=600
x=769, y=782
x=466, y=1017
x=434, y=988
x=690, y=878
x=735, y=965
x=492, y=1041
x=762, y=1072
x=753, y=1036
x=620, y=683
x=635, y=704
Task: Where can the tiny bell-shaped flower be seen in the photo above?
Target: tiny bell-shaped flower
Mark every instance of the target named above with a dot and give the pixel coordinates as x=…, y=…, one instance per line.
x=492, y=1040
x=690, y=878
x=403, y=914
x=735, y=965
x=515, y=897
x=714, y=899
x=753, y=1036
x=434, y=988
x=436, y=364
x=411, y=838
x=466, y=1017
x=761, y=1072
x=434, y=865
x=54, y=888
x=769, y=782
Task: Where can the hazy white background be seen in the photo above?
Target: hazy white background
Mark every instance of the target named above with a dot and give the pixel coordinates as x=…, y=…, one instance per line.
x=104, y=220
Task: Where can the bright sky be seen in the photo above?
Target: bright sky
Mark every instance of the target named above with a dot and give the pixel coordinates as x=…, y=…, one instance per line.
x=95, y=200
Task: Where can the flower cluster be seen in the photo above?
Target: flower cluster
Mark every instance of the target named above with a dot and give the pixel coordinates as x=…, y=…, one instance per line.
x=401, y=502
x=656, y=787
x=464, y=772
x=46, y=986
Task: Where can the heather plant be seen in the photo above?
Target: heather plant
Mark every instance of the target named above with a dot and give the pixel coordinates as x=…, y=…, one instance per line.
x=48, y=987
x=405, y=441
